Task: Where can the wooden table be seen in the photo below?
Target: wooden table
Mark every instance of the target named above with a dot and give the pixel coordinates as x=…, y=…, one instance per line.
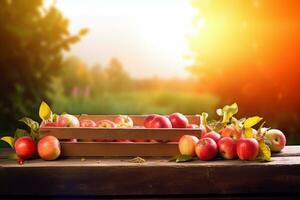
x=115, y=177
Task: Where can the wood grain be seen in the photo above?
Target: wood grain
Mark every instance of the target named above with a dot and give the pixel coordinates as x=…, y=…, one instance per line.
x=102, y=177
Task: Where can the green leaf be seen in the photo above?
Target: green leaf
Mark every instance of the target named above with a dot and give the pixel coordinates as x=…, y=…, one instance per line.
x=12, y=156
x=174, y=158
x=248, y=133
x=45, y=111
x=33, y=125
x=9, y=140
x=228, y=111
x=204, y=117
x=251, y=121
x=264, y=151
x=216, y=125
x=20, y=133
x=184, y=158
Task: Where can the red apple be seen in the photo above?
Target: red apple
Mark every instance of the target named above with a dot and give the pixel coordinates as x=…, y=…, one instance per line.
x=25, y=147
x=87, y=123
x=192, y=126
x=124, y=121
x=160, y=122
x=187, y=145
x=247, y=148
x=227, y=148
x=232, y=132
x=178, y=120
x=49, y=148
x=106, y=124
x=275, y=139
x=213, y=135
x=67, y=120
x=206, y=149
x=148, y=120
x=48, y=124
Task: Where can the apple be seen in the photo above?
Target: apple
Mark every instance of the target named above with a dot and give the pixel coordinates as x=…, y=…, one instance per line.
x=206, y=149
x=247, y=148
x=230, y=131
x=178, y=120
x=49, y=148
x=124, y=121
x=160, y=122
x=87, y=123
x=106, y=124
x=187, y=145
x=48, y=124
x=25, y=147
x=67, y=120
x=192, y=126
x=148, y=120
x=275, y=139
x=213, y=135
x=227, y=148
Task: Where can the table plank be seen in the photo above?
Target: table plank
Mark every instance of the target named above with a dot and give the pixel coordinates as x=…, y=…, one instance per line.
x=293, y=150
x=154, y=177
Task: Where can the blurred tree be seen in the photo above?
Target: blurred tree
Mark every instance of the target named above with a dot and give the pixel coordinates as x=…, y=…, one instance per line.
x=117, y=79
x=247, y=52
x=99, y=78
x=75, y=74
x=32, y=40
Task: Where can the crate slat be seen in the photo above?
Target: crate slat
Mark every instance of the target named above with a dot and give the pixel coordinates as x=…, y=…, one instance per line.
x=118, y=149
x=118, y=133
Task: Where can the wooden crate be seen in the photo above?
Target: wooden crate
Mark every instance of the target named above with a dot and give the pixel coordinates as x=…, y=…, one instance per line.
x=85, y=148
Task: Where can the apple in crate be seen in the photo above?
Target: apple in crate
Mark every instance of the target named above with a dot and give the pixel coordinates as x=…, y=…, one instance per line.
x=49, y=148
x=178, y=120
x=87, y=123
x=230, y=131
x=275, y=139
x=213, y=135
x=227, y=148
x=106, y=124
x=247, y=148
x=124, y=121
x=148, y=120
x=187, y=145
x=25, y=147
x=206, y=149
x=67, y=120
x=160, y=122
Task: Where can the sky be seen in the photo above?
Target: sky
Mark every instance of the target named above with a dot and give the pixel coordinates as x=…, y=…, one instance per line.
x=147, y=36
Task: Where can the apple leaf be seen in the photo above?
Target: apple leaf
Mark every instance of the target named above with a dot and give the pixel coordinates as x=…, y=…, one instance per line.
x=204, y=117
x=248, y=133
x=45, y=111
x=12, y=156
x=9, y=140
x=33, y=125
x=216, y=125
x=184, y=158
x=264, y=151
x=181, y=158
x=20, y=133
x=251, y=121
x=228, y=111
x=238, y=123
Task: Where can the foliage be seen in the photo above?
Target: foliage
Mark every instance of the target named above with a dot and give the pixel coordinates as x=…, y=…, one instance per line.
x=32, y=40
